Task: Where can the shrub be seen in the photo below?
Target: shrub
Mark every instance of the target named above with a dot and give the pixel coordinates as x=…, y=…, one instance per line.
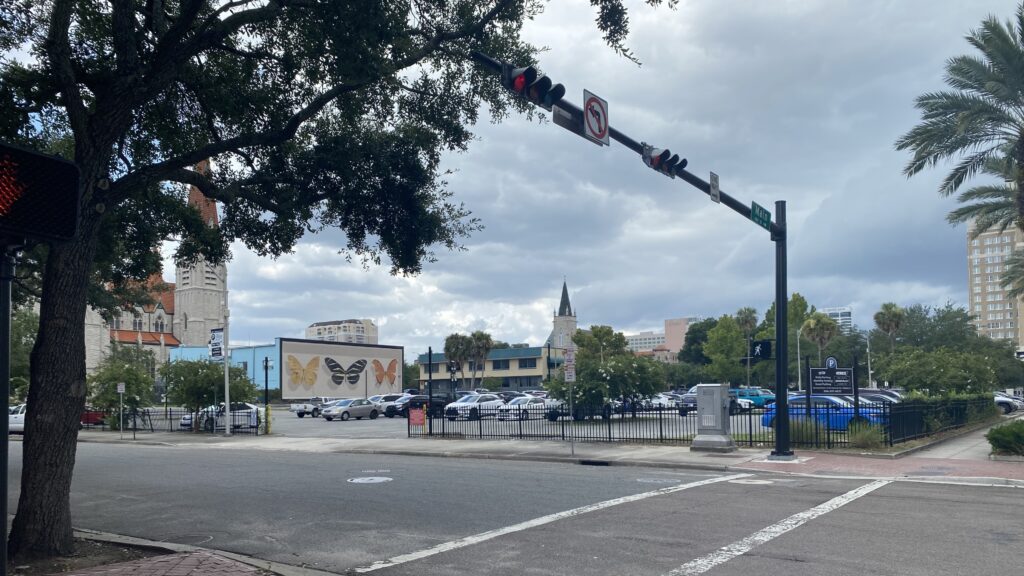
x=802, y=430
x=867, y=436
x=1008, y=438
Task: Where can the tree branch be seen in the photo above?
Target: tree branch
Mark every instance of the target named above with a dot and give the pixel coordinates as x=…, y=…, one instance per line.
x=123, y=28
x=58, y=50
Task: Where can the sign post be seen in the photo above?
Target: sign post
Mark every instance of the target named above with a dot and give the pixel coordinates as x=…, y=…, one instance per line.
x=120, y=392
x=570, y=377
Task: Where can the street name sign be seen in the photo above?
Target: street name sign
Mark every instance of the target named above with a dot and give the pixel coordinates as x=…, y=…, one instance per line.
x=761, y=216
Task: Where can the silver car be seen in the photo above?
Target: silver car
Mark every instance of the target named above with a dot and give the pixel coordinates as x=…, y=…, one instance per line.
x=351, y=408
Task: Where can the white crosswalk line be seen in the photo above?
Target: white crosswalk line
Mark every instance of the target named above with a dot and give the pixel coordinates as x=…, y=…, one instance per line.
x=484, y=536
x=740, y=547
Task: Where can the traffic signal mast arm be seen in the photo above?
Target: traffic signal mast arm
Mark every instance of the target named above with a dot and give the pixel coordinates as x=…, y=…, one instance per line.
x=528, y=76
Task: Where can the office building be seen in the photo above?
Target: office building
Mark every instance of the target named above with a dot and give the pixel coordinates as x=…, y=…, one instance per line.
x=350, y=331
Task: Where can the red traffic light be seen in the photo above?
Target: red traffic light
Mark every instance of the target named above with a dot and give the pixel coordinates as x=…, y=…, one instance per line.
x=663, y=161
x=38, y=195
x=535, y=87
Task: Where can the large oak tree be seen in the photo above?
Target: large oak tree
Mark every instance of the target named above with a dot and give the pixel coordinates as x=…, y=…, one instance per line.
x=316, y=115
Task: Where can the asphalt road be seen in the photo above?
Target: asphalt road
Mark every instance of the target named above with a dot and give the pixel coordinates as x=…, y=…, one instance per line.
x=437, y=515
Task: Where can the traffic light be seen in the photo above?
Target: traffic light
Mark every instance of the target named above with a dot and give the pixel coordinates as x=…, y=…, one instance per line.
x=38, y=195
x=663, y=160
x=535, y=87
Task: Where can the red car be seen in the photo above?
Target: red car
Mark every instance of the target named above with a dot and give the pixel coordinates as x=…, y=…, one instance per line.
x=92, y=417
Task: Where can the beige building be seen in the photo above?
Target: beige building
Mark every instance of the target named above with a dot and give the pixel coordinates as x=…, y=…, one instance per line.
x=995, y=314
x=351, y=331
x=521, y=368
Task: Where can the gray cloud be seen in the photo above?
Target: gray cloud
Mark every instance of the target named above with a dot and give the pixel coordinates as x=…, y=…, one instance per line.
x=798, y=101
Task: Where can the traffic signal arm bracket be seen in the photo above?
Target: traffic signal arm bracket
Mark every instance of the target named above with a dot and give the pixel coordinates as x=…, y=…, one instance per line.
x=677, y=168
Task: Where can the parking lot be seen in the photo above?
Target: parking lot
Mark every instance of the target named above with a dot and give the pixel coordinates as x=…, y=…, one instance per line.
x=286, y=423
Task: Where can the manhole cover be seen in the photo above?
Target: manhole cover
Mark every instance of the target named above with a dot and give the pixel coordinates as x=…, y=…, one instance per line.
x=370, y=480
x=750, y=481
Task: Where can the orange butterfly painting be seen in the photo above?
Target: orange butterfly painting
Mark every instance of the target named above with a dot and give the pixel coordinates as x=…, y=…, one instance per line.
x=300, y=376
x=381, y=373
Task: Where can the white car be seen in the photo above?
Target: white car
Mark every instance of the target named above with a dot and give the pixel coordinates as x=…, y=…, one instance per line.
x=473, y=406
x=523, y=408
x=243, y=415
x=382, y=401
x=16, y=419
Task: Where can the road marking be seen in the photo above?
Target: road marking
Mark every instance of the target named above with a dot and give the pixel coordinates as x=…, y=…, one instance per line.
x=484, y=536
x=726, y=553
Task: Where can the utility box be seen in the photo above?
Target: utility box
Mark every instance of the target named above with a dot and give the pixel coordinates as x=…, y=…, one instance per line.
x=713, y=419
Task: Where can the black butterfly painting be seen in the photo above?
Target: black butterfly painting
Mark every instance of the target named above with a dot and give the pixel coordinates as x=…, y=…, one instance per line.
x=339, y=372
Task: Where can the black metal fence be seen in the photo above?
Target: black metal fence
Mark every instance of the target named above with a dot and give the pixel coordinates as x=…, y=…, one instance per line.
x=818, y=426
x=158, y=419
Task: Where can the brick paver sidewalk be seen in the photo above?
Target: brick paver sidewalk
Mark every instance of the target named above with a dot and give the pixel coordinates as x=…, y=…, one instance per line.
x=183, y=564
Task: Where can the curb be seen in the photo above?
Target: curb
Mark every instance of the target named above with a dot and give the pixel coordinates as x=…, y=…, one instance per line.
x=171, y=547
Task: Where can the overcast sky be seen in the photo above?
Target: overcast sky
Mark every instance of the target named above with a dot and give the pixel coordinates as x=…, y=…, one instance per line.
x=795, y=100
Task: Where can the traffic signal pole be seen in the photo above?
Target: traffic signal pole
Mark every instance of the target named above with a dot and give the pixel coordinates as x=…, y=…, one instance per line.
x=777, y=230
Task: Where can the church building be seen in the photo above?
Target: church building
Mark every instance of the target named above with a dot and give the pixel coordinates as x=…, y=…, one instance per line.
x=183, y=312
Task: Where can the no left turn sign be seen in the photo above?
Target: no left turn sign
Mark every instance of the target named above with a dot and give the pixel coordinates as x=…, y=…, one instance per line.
x=595, y=118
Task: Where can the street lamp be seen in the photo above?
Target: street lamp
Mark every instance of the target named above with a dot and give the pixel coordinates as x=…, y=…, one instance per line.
x=267, y=365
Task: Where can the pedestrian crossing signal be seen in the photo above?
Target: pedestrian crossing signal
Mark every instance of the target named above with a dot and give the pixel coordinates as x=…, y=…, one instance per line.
x=760, y=350
x=38, y=195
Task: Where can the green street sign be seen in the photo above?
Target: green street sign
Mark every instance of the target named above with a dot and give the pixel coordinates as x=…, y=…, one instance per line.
x=761, y=216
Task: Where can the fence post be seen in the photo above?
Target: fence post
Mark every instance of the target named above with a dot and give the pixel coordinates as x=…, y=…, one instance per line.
x=561, y=420
x=521, y=422
x=661, y=429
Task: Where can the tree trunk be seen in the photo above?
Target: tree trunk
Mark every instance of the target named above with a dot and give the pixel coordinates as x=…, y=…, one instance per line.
x=56, y=398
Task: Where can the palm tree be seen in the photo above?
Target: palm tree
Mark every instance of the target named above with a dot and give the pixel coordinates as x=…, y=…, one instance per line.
x=989, y=206
x=746, y=319
x=982, y=118
x=889, y=319
x=457, y=347
x=481, y=344
x=820, y=329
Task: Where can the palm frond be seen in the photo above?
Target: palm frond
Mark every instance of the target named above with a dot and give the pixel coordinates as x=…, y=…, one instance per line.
x=997, y=42
x=966, y=169
x=1013, y=276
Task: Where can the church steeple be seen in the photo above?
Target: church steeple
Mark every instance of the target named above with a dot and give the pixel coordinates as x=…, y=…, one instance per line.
x=564, y=309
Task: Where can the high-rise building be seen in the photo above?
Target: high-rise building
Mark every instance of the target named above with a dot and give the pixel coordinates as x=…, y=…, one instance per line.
x=645, y=341
x=993, y=311
x=353, y=331
x=843, y=315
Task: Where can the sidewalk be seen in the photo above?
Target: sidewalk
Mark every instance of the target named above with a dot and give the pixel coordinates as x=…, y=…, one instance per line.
x=819, y=463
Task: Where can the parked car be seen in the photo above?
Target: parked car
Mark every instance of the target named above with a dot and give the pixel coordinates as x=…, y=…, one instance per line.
x=357, y=408
x=509, y=395
x=16, y=418
x=830, y=411
x=401, y=406
x=537, y=393
x=661, y=401
x=92, y=417
x=523, y=408
x=384, y=400
x=473, y=407
x=757, y=396
x=311, y=406
x=211, y=418
x=1006, y=403
x=688, y=403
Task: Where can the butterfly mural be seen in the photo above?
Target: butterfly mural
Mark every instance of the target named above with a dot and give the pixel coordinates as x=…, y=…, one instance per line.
x=340, y=373
x=381, y=373
x=300, y=376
